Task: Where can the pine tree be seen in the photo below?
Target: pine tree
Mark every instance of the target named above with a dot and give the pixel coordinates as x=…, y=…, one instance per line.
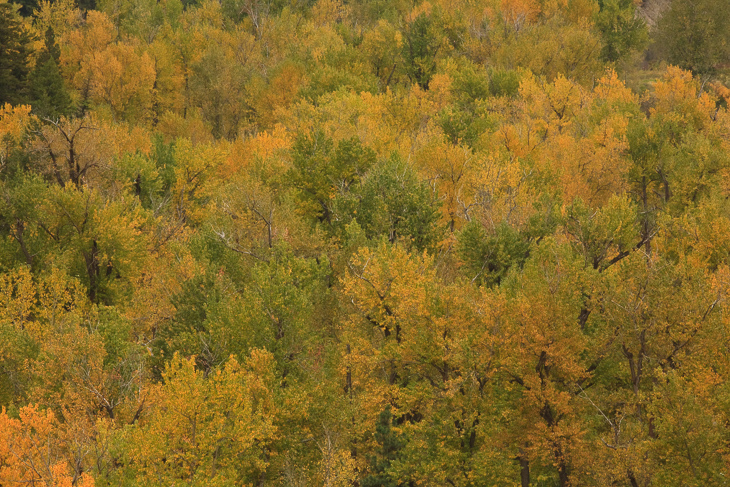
x=47, y=93
x=390, y=445
x=14, y=53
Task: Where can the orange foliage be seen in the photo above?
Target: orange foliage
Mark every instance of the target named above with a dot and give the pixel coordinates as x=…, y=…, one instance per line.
x=31, y=451
x=517, y=13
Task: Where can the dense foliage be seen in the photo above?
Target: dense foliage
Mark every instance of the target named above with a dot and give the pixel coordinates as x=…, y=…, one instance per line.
x=364, y=243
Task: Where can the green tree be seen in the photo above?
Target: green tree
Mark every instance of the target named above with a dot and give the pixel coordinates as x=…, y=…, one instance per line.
x=393, y=203
x=14, y=53
x=390, y=446
x=46, y=91
x=422, y=43
x=621, y=29
x=695, y=35
x=467, y=119
x=488, y=258
x=321, y=171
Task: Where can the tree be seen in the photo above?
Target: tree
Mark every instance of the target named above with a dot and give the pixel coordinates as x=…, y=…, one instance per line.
x=380, y=47
x=622, y=30
x=488, y=258
x=390, y=446
x=651, y=349
x=214, y=430
x=392, y=203
x=553, y=47
x=46, y=90
x=31, y=451
x=695, y=35
x=321, y=170
x=421, y=44
x=108, y=72
x=545, y=353
x=14, y=55
x=15, y=125
x=79, y=231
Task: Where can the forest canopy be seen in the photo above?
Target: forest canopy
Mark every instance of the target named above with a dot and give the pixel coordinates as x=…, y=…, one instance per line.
x=368, y=243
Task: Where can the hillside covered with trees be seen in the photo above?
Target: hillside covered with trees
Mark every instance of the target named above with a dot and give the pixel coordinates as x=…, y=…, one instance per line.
x=368, y=243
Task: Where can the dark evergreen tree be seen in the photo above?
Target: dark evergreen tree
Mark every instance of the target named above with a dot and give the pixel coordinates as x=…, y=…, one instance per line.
x=46, y=91
x=390, y=446
x=27, y=7
x=420, y=47
x=14, y=52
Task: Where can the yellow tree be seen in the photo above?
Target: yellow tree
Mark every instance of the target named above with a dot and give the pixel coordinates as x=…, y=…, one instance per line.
x=420, y=349
x=545, y=352
x=213, y=430
x=14, y=124
x=449, y=169
x=72, y=361
x=114, y=74
x=31, y=451
x=659, y=329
